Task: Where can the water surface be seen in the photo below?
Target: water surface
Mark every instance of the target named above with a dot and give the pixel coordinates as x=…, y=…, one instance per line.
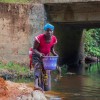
x=79, y=87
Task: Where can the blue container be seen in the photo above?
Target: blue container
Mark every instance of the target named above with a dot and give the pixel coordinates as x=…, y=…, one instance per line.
x=50, y=62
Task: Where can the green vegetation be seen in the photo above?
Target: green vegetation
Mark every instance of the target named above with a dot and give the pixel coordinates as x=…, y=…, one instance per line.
x=92, y=42
x=15, y=1
x=93, y=69
x=12, y=67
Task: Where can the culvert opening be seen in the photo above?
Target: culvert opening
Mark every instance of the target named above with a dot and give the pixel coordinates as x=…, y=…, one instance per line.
x=70, y=45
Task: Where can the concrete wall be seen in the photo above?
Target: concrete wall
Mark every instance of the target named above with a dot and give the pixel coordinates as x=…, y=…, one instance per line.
x=74, y=12
x=19, y=23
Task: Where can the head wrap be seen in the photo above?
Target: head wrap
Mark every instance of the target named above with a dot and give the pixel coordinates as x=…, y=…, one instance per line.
x=48, y=26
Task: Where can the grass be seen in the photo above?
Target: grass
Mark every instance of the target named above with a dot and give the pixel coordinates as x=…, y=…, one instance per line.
x=14, y=67
x=15, y=1
x=23, y=72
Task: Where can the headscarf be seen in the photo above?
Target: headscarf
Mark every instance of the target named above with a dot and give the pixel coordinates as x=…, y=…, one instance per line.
x=48, y=26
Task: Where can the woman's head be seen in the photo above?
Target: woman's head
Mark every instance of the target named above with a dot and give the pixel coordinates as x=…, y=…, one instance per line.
x=48, y=30
x=48, y=26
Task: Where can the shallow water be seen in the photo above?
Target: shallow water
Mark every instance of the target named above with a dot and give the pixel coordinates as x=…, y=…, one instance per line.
x=79, y=87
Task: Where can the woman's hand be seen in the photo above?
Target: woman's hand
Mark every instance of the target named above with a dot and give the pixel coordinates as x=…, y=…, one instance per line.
x=42, y=55
x=55, y=54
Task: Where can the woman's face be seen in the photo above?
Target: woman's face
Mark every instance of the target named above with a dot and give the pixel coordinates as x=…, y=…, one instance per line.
x=48, y=33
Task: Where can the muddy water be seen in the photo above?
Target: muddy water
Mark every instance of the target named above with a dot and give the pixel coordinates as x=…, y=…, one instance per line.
x=79, y=87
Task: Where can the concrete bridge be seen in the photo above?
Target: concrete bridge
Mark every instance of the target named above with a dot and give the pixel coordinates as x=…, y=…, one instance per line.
x=70, y=18
x=20, y=23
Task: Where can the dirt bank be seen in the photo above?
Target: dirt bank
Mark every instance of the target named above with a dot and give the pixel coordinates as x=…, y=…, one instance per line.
x=22, y=91
x=10, y=90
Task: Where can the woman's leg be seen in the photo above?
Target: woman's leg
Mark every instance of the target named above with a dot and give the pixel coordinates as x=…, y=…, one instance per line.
x=37, y=75
x=59, y=70
x=49, y=79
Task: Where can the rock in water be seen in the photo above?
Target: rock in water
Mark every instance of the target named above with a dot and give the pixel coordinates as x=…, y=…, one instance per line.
x=38, y=95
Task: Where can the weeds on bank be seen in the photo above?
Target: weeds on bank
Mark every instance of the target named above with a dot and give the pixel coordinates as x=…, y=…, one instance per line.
x=10, y=66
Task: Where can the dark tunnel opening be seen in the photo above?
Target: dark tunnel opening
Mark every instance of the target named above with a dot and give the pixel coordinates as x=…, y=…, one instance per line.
x=70, y=44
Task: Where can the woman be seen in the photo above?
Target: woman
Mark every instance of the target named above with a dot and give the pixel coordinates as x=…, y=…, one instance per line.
x=43, y=46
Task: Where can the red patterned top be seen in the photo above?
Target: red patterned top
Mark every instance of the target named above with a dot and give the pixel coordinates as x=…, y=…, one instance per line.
x=45, y=47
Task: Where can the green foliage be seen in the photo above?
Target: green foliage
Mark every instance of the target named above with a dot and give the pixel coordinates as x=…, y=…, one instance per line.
x=15, y=1
x=92, y=42
x=14, y=67
x=94, y=68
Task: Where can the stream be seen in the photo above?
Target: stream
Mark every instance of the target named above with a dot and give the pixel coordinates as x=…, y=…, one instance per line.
x=80, y=87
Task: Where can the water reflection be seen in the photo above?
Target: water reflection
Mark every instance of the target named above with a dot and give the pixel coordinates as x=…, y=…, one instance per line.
x=77, y=67
x=80, y=87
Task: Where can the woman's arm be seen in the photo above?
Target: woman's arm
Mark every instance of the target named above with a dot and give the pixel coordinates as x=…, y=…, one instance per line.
x=53, y=51
x=35, y=48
